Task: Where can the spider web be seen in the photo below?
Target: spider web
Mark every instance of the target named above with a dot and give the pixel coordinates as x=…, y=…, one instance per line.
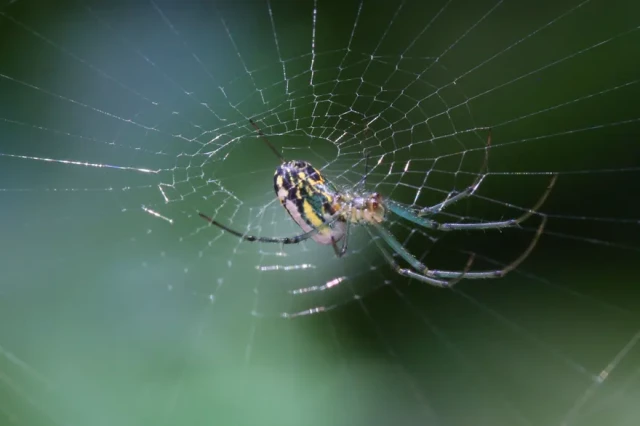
x=123, y=121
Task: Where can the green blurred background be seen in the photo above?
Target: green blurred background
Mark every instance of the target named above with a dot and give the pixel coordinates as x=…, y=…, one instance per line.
x=111, y=316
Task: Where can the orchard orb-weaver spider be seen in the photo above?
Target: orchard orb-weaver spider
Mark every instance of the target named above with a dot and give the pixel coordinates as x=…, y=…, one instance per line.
x=326, y=215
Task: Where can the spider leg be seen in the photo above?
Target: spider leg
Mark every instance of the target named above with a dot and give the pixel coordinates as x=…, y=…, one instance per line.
x=340, y=252
x=363, y=181
x=504, y=223
x=404, y=271
x=282, y=240
x=470, y=190
x=366, y=169
x=273, y=148
x=497, y=273
x=442, y=278
x=423, y=273
x=432, y=224
x=466, y=269
x=407, y=214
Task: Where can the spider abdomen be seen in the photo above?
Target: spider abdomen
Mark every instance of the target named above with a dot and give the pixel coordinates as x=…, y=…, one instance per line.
x=305, y=195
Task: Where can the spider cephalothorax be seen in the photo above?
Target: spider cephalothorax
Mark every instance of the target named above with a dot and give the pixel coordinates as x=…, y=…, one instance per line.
x=360, y=208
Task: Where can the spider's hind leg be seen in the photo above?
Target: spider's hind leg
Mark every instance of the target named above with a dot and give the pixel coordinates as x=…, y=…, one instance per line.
x=281, y=240
x=269, y=144
x=341, y=251
x=511, y=223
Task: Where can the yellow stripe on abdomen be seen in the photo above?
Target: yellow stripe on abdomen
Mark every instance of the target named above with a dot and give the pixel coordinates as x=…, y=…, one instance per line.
x=311, y=215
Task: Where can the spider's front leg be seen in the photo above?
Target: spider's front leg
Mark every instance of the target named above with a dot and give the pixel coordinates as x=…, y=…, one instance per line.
x=469, y=191
x=409, y=215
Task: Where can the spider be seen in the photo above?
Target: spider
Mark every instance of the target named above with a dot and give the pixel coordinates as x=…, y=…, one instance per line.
x=326, y=214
